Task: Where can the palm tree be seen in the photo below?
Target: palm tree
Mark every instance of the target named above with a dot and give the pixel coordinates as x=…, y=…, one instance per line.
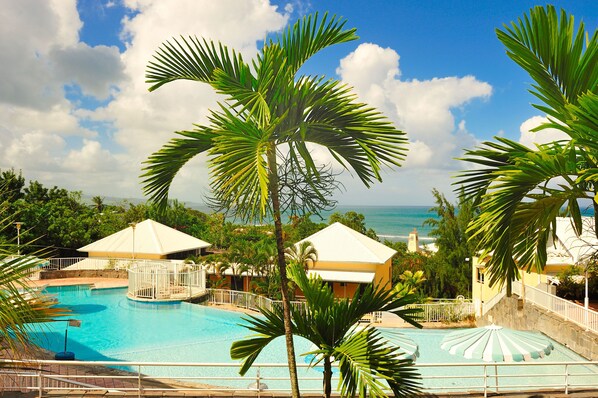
x=268, y=110
x=520, y=190
x=367, y=365
x=302, y=253
x=98, y=203
x=20, y=305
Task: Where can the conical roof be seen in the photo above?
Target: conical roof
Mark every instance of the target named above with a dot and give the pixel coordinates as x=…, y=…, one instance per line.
x=150, y=237
x=339, y=243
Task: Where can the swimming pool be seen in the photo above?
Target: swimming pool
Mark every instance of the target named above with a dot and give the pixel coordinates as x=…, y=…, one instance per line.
x=116, y=328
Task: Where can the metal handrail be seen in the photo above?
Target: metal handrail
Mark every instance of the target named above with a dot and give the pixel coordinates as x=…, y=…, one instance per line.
x=569, y=310
x=492, y=376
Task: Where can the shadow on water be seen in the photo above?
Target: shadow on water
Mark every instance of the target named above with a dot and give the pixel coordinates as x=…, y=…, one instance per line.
x=80, y=309
x=54, y=341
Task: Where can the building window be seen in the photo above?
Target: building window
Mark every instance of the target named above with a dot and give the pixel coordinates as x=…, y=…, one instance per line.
x=480, y=275
x=343, y=284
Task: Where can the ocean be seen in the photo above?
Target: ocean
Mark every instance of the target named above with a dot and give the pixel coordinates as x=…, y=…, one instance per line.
x=389, y=222
x=393, y=222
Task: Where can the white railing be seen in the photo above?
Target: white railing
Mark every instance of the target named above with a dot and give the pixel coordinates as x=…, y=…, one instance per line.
x=487, y=378
x=451, y=311
x=486, y=306
x=101, y=263
x=249, y=301
x=570, y=311
x=88, y=263
x=64, y=262
x=165, y=282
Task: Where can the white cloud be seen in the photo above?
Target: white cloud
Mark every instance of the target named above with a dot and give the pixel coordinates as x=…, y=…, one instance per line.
x=52, y=139
x=530, y=139
x=100, y=151
x=97, y=70
x=424, y=110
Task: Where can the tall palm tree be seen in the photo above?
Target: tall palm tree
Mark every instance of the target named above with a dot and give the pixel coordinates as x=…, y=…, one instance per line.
x=521, y=190
x=270, y=113
x=302, y=253
x=367, y=364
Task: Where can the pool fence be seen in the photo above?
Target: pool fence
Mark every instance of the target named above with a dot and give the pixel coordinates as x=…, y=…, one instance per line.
x=51, y=378
x=160, y=281
x=436, y=311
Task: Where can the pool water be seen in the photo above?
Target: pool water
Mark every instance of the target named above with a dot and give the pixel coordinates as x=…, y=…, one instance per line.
x=116, y=328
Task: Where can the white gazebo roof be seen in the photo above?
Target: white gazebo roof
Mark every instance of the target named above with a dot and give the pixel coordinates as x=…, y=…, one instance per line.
x=568, y=248
x=150, y=237
x=339, y=243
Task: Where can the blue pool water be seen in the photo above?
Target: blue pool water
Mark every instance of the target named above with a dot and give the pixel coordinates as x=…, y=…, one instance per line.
x=114, y=328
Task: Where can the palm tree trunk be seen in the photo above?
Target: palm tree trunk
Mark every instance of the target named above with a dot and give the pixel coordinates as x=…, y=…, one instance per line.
x=282, y=268
x=327, y=377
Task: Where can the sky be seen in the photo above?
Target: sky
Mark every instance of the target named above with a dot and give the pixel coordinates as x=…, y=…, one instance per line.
x=75, y=110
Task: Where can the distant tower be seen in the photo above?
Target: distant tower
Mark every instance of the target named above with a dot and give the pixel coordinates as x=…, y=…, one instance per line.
x=413, y=242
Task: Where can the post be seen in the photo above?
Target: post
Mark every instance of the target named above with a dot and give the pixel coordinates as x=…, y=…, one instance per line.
x=133, y=225
x=40, y=382
x=586, y=299
x=567, y=379
x=18, y=224
x=139, y=381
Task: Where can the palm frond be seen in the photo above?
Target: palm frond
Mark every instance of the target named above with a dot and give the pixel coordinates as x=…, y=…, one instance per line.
x=552, y=52
x=519, y=201
x=238, y=163
x=192, y=59
x=309, y=35
x=359, y=137
x=162, y=166
x=367, y=365
x=265, y=331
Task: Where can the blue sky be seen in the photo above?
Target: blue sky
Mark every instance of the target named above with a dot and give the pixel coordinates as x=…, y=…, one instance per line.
x=75, y=111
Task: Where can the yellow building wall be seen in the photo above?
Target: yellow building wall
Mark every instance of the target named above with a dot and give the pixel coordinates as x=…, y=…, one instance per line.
x=382, y=275
x=533, y=279
x=344, y=289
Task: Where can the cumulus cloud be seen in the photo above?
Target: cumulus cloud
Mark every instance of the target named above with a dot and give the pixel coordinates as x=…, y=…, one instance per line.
x=51, y=137
x=96, y=70
x=54, y=138
x=531, y=139
x=145, y=121
x=422, y=108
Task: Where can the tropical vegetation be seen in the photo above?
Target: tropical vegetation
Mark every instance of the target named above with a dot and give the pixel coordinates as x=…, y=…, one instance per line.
x=257, y=138
x=447, y=271
x=367, y=364
x=520, y=190
x=20, y=304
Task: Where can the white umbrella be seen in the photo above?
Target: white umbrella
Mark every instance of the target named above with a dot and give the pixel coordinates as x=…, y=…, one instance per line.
x=497, y=344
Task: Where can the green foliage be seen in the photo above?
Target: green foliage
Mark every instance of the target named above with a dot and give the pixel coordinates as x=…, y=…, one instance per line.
x=367, y=364
x=300, y=227
x=20, y=305
x=354, y=221
x=409, y=282
x=572, y=283
x=452, y=272
x=447, y=272
x=522, y=190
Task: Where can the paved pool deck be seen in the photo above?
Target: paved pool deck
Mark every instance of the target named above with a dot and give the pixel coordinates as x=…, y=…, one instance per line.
x=98, y=283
